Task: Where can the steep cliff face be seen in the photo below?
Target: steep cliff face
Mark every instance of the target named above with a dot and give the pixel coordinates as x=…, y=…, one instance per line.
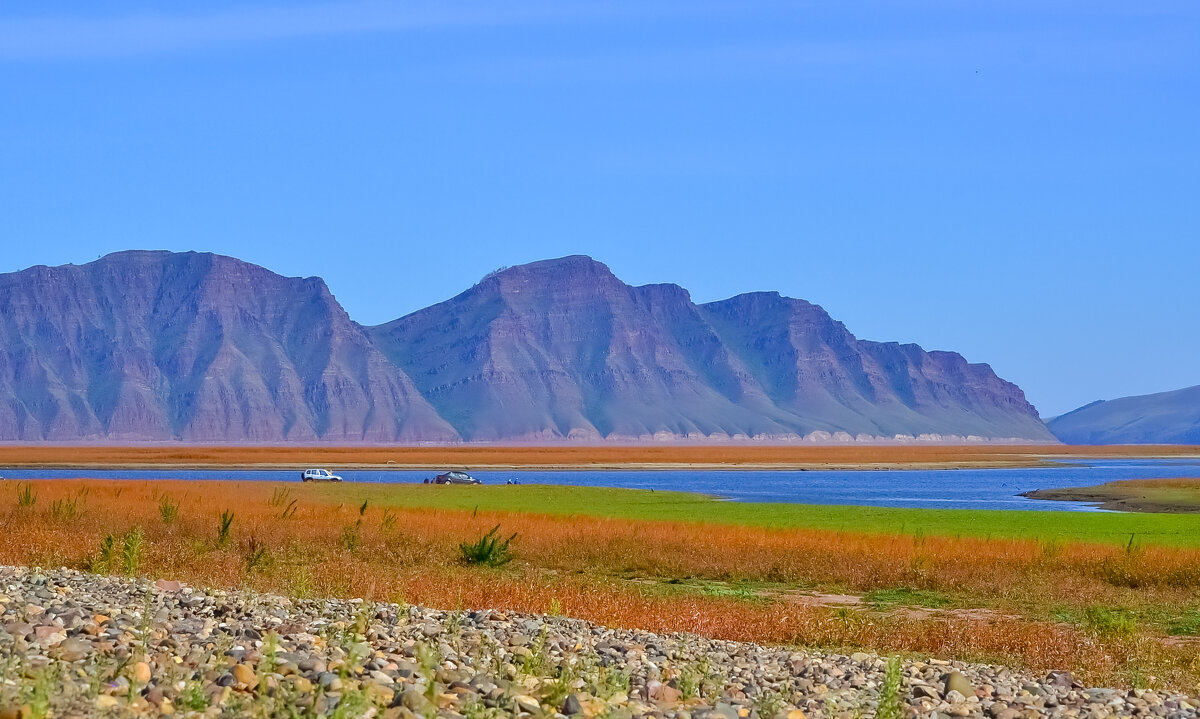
x=155, y=346
x=194, y=347
x=562, y=348
x=1160, y=418
x=811, y=366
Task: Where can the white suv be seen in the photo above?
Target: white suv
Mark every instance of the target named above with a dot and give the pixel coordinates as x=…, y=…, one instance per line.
x=319, y=475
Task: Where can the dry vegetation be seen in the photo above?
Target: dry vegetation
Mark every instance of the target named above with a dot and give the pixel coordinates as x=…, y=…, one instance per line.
x=1102, y=611
x=570, y=456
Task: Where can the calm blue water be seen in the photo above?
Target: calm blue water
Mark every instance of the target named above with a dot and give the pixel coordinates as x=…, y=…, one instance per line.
x=943, y=488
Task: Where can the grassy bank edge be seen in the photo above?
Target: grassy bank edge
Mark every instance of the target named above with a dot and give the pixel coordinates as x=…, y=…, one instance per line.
x=1176, y=530
x=1164, y=496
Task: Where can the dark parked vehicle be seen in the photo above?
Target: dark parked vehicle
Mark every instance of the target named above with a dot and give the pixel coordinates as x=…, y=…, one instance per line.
x=455, y=478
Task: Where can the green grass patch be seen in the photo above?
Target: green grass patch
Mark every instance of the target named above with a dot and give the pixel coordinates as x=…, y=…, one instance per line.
x=1184, y=625
x=1181, y=530
x=1108, y=622
x=1105, y=622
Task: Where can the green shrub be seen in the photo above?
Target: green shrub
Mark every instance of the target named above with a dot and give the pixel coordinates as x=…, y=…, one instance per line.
x=168, y=510
x=769, y=703
x=224, y=527
x=256, y=555
x=131, y=551
x=350, y=537
x=489, y=550
x=891, y=705
x=104, y=562
x=64, y=509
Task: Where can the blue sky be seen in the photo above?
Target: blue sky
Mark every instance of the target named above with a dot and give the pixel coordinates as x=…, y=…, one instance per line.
x=1017, y=181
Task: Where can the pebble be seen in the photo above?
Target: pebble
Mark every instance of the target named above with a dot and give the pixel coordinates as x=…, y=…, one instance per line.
x=245, y=676
x=200, y=658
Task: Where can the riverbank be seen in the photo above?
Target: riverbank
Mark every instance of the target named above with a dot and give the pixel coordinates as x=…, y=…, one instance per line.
x=76, y=644
x=483, y=457
x=1167, y=496
x=888, y=581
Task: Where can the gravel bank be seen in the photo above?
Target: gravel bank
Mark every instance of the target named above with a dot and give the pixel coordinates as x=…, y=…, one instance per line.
x=75, y=644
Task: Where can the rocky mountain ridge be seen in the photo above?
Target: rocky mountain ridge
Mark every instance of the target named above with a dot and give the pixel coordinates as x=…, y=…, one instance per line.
x=190, y=347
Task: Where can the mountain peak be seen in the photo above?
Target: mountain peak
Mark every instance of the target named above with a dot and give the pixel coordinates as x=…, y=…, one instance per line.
x=569, y=267
x=153, y=345
x=149, y=345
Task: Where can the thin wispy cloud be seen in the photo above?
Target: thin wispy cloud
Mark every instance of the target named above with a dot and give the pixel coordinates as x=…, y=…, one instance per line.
x=84, y=36
x=68, y=36
x=949, y=54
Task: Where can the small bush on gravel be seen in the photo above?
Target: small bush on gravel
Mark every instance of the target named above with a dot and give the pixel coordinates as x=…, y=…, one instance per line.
x=768, y=704
x=537, y=661
x=118, y=554
x=131, y=553
x=891, y=704
x=38, y=691
x=192, y=697
x=489, y=550
x=103, y=563
x=689, y=683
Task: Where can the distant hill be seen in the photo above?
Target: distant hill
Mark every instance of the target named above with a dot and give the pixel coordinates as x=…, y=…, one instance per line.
x=1162, y=418
x=158, y=346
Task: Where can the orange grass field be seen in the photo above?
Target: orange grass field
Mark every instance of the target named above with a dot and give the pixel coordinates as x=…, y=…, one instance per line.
x=726, y=455
x=1100, y=610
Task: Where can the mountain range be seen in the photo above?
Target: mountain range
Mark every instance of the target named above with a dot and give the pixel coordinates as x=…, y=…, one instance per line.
x=1160, y=418
x=193, y=347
